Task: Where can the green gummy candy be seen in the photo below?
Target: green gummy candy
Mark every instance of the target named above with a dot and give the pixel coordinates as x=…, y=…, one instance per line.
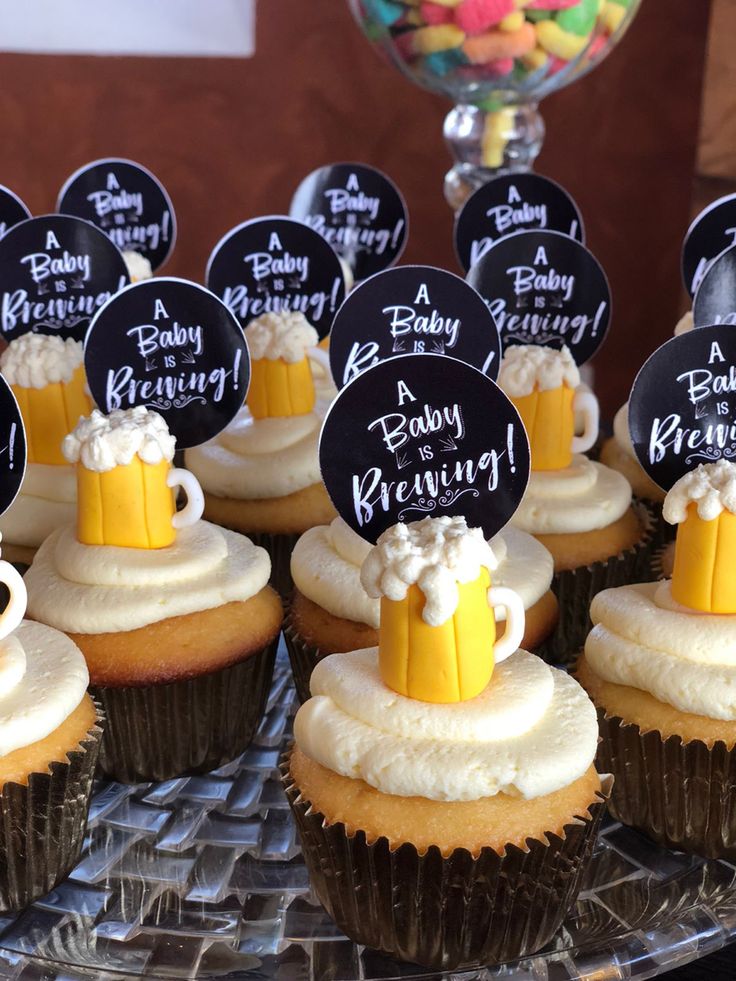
x=579, y=19
x=537, y=15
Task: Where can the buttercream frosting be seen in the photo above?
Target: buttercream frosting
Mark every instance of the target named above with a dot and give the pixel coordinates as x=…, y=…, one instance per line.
x=532, y=731
x=711, y=486
x=43, y=678
x=583, y=497
x=47, y=500
x=684, y=324
x=644, y=639
x=436, y=554
x=103, y=442
x=260, y=458
x=526, y=367
x=92, y=589
x=347, y=274
x=326, y=561
x=139, y=267
x=286, y=335
x=38, y=360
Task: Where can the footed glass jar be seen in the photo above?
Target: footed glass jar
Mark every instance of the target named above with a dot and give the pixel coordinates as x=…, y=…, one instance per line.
x=496, y=59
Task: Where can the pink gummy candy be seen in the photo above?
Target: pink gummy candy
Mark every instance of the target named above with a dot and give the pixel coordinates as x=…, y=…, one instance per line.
x=434, y=13
x=476, y=16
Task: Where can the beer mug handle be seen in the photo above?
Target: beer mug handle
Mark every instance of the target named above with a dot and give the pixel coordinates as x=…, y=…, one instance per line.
x=194, y=508
x=320, y=358
x=16, y=608
x=587, y=404
x=515, y=621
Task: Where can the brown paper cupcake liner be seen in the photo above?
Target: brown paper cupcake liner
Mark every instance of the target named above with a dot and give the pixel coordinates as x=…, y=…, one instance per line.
x=681, y=795
x=303, y=657
x=439, y=912
x=158, y=732
x=42, y=824
x=279, y=547
x=575, y=589
x=662, y=561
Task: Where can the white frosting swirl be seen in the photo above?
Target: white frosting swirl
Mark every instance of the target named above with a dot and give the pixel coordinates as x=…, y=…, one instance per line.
x=621, y=430
x=644, y=639
x=43, y=678
x=94, y=589
x=38, y=360
x=712, y=486
x=435, y=554
x=347, y=274
x=583, y=497
x=326, y=561
x=684, y=324
x=139, y=267
x=526, y=367
x=104, y=442
x=47, y=501
x=260, y=458
x=285, y=335
x=532, y=731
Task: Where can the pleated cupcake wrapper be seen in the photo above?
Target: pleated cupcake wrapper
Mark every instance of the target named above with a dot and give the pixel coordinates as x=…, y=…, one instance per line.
x=303, y=657
x=279, y=547
x=42, y=824
x=444, y=913
x=661, y=562
x=681, y=795
x=575, y=589
x=158, y=732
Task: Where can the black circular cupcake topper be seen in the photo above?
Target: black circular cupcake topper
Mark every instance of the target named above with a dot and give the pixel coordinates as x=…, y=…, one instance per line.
x=276, y=264
x=545, y=288
x=12, y=210
x=682, y=410
x=423, y=436
x=358, y=210
x=712, y=231
x=127, y=202
x=12, y=447
x=173, y=347
x=412, y=310
x=715, y=299
x=513, y=203
x=55, y=273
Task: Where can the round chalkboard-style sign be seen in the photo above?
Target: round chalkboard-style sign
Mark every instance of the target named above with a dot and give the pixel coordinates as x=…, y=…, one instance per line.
x=12, y=447
x=127, y=202
x=513, y=203
x=275, y=264
x=545, y=288
x=359, y=211
x=683, y=404
x=56, y=272
x=12, y=210
x=423, y=436
x=412, y=310
x=715, y=299
x=710, y=233
x=173, y=347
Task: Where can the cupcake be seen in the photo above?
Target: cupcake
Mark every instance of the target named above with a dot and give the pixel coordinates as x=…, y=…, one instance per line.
x=261, y=474
x=173, y=615
x=49, y=744
x=660, y=666
x=330, y=611
x=138, y=266
x=47, y=377
x=580, y=510
x=446, y=804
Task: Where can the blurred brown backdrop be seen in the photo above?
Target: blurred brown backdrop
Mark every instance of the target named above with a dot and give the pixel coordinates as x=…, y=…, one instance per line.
x=231, y=139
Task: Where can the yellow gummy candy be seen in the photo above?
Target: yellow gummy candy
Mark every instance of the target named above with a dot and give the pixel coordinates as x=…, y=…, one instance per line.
x=612, y=16
x=559, y=43
x=535, y=59
x=512, y=22
x=438, y=37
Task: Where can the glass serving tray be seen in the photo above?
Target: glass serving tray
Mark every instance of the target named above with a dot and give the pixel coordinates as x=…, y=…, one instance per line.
x=202, y=878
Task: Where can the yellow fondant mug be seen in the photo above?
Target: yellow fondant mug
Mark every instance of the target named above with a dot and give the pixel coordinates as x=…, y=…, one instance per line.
x=281, y=388
x=15, y=610
x=134, y=505
x=703, y=577
x=453, y=661
x=49, y=413
x=549, y=420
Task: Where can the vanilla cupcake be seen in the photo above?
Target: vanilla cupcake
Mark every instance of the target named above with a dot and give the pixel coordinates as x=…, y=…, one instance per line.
x=330, y=611
x=47, y=377
x=261, y=474
x=660, y=665
x=49, y=744
x=580, y=510
x=446, y=807
x=173, y=615
x=138, y=266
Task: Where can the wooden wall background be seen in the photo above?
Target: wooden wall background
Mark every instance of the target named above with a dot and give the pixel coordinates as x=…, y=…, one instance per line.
x=231, y=138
